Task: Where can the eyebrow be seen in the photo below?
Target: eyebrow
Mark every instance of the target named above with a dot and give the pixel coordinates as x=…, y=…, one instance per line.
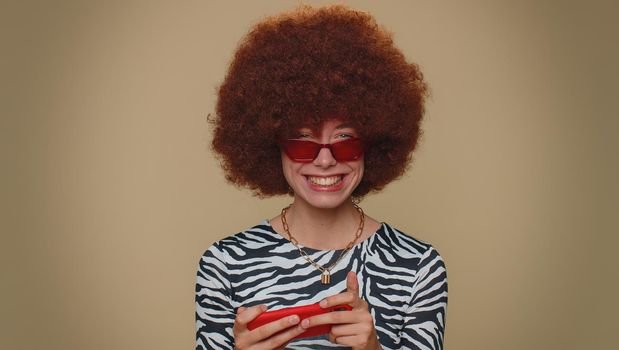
x=339, y=127
x=345, y=126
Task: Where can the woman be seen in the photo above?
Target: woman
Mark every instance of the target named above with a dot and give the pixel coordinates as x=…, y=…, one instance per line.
x=319, y=104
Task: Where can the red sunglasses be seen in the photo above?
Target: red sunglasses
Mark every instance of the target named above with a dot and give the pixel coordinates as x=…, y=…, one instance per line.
x=304, y=151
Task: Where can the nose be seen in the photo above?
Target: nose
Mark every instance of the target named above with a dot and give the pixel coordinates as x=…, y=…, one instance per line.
x=324, y=158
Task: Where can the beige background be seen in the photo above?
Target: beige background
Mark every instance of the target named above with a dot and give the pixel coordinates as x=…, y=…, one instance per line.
x=110, y=194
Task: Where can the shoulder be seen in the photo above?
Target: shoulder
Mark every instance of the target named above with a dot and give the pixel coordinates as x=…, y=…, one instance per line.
x=243, y=243
x=402, y=242
x=424, y=262
x=400, y=250
x=228, y=254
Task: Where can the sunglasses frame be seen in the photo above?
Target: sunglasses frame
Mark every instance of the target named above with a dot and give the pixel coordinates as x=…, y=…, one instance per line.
x=284, y=145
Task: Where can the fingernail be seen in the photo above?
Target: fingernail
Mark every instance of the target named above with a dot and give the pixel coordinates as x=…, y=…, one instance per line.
x=323, y=303
x=263, y=307
x=305, y=323
x=294, y=319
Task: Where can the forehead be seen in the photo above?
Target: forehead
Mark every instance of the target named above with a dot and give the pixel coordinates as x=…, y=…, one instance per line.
x=328, y=125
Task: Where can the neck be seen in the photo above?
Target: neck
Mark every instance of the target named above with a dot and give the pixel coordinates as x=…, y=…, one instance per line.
x=320, y=228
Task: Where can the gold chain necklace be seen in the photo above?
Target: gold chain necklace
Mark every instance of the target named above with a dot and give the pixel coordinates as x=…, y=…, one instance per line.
x=326, y=271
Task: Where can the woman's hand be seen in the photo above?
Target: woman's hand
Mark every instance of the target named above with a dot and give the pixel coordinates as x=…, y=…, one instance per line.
x=353, y=328
x=265, y=337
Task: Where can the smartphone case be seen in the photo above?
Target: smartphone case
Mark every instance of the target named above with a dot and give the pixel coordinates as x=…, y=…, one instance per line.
x=303, y=312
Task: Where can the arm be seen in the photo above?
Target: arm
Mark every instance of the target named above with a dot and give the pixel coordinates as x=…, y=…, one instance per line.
x=214, y=312
x=219, y=327
x=424, y=324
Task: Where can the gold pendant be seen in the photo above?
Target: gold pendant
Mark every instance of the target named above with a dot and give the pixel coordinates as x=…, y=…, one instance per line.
x=326, y=277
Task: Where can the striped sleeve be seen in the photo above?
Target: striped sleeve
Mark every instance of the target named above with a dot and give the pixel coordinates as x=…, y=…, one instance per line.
x=214, y=312
x=424, y=324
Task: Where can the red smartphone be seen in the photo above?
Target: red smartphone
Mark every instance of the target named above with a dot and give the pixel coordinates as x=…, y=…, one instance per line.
x=303, y=312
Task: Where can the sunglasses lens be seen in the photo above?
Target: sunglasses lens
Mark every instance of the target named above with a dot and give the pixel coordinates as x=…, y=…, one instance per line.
x=300, y=151
x=348, y=150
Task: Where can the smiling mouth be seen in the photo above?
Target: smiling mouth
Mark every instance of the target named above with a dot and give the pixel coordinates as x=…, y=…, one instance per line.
x=325, y=181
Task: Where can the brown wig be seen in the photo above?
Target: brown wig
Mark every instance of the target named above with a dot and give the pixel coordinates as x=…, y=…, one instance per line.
x=301, y=68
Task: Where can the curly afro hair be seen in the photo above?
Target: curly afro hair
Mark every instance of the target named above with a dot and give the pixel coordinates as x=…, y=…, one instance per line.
x=303, y=67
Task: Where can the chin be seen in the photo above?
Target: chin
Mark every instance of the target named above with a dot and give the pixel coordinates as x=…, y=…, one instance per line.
x=325, y=200
x=331, y=204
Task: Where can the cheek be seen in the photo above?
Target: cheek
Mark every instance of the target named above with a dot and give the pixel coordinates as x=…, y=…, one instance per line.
x=288, y=168
x=360, y=166
x=358, y=170
x=361, y=170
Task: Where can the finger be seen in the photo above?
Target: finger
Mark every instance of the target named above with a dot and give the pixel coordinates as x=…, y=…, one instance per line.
x=269, y=329
x=351, y=296
x=339, y=299
x=347, y=329
x=240, y=309
x=336, y=317
x=343, y=340
x=348, y=340
x=280, y=340
x=248, y=314
x=352, y=284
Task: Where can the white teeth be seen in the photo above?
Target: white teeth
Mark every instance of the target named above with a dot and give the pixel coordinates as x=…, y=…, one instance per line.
x=324, y=181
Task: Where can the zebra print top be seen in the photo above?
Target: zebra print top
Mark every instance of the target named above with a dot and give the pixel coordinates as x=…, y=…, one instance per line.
x=403, y=280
